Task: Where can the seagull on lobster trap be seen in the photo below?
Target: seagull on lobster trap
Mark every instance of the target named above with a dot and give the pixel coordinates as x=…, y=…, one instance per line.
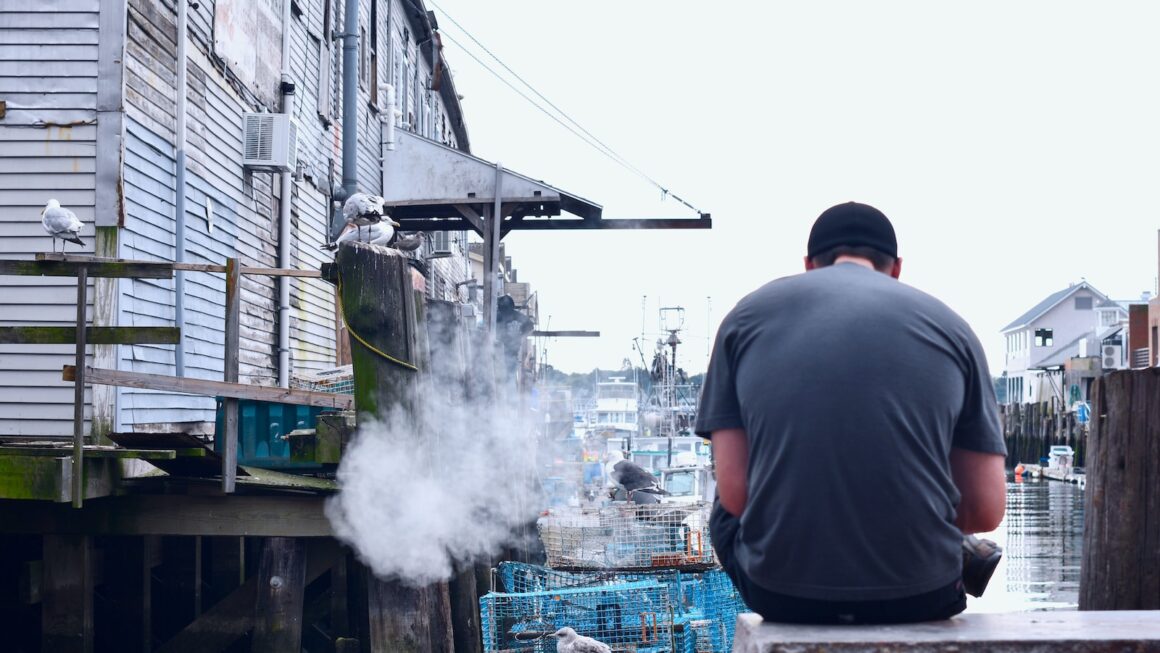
x=568, y=641
x=639, y=485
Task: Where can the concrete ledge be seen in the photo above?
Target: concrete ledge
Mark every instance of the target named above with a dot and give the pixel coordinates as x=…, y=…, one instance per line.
x=1021, y=632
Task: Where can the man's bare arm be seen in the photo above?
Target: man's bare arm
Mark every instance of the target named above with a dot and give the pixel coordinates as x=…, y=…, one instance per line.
x=982, y=482
x=731, y=459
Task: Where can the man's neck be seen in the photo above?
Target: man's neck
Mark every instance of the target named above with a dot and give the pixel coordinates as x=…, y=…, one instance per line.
x=856, y=260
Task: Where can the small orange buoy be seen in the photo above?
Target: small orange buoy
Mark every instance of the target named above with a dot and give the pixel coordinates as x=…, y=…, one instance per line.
x=1019, y=470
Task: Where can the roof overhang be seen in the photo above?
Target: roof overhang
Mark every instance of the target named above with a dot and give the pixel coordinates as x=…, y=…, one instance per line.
x=431, y=187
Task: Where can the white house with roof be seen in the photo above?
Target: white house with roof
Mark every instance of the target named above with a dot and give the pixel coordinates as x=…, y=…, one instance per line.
x=1076, y=322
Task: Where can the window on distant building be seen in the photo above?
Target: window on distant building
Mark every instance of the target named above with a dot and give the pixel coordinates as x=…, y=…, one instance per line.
x=1044, y=338
x=1083, y=303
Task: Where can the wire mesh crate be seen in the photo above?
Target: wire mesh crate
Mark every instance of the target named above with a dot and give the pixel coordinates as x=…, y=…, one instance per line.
x=705, y=602
x=626, y=616
x=339, y=380
x=628, y=536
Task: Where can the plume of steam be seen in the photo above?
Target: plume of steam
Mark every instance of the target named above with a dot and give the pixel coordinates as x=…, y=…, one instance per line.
x=431, y=485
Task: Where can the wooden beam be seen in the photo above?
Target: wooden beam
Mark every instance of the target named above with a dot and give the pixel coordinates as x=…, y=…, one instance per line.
x=540, y=224
x=90, y=452
x=169, y=266
x=229, y=445
x=69, y=268
x=233, y=616
x=129, y=586
x=211, y=388
x=472, y=216
x=50, y=478
x=270, y=272
x=227, y=516
x=80, y=331
x=66, y=610
x=53, y=335
x=567, y=334
x=281, y=584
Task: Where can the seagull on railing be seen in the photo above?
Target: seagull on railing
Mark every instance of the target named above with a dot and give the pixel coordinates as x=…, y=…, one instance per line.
x=567, y=641
x=61, y=223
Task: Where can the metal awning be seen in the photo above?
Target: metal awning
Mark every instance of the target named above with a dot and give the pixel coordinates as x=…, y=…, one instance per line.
x=428, y=186
x=431, y=187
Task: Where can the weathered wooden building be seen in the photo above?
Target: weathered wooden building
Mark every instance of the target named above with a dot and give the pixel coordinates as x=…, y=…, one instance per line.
x=94, y=115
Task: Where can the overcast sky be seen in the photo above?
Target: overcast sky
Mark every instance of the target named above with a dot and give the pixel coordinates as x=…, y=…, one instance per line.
x=1014, y=145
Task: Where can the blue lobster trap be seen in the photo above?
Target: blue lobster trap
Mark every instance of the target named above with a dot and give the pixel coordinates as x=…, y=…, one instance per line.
x=633, y=616
x=704, y=605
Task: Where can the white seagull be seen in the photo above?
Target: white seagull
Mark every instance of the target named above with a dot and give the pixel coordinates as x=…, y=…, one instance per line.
x=61, y=223
x=361, y=209
x=567, y=641
x=379, y=233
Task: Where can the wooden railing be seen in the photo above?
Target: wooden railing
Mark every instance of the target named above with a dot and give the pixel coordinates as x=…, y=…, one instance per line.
x=84, y=267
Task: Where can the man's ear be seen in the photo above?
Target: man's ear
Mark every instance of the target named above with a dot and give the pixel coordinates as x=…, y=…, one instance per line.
x=810, y=264
x=896, y=269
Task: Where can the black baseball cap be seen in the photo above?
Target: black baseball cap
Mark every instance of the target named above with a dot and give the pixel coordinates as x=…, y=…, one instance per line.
x=852, y=225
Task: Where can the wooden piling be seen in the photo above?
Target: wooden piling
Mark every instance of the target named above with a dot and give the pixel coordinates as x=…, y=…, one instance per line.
x=67, y=594
x=1121, y=545
x=229, y=448
x=383, y=312
x=281, y=582
x=129, y=587
x=448, y=342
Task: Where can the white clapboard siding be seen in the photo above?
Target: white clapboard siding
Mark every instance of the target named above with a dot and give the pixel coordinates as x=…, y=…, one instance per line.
x=312, y=314
x=48, y=76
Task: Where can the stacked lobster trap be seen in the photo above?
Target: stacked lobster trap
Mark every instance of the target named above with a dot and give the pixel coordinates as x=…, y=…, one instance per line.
x=628, y=536
x=640, y=578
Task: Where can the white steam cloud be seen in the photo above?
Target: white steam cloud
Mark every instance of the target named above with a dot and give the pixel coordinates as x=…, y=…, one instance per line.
x=424, y=489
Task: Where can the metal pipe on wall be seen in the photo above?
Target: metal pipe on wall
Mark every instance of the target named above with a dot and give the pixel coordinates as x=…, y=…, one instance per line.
x=349, y=106
x=179, y=182
x=284, y=223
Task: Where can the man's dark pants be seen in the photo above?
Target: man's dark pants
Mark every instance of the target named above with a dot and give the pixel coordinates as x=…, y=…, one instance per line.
x=942, y=603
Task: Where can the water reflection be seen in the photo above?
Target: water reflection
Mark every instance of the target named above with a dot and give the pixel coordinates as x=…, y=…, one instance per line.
x=1041, y=536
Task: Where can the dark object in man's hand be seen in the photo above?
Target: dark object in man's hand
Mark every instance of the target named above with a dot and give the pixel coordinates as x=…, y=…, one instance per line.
x=980, y=557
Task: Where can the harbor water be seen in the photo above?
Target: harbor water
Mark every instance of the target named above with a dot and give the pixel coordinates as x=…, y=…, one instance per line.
x=1042, y=538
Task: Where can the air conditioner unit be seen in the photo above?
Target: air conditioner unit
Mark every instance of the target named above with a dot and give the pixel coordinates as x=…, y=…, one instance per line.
x=441, y=243
x=1112, y=357
x=269, y=142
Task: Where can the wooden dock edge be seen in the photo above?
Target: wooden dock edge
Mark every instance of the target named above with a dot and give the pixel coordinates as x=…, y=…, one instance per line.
x=1012, y=632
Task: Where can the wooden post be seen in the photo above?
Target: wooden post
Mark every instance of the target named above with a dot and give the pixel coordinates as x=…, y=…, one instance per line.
x=1121, y=544
x=383, y=311
x=78, y=460
x=229, y=450
x=448, y=365
x=130, y=587
x=465, y=611
x=373, y=286
x=67, y=603
x=281, y=580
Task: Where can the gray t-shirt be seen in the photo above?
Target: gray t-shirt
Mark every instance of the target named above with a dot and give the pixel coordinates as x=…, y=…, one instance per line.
x=852, y=388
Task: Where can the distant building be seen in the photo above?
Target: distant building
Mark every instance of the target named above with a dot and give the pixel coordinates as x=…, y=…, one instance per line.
x=1075, y=322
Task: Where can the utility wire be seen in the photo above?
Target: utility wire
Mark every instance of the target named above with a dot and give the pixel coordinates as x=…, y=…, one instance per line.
x=563, y=113
x=591, y=139
x=525, y=96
